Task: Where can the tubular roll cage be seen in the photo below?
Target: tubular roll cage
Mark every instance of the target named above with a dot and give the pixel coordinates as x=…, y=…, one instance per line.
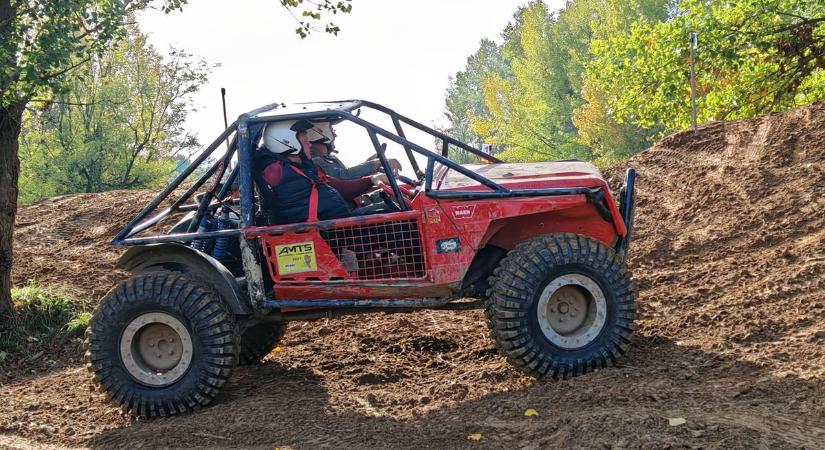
x=241, y=143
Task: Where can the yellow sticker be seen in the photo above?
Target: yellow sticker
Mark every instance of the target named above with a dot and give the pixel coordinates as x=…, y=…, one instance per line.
x=296, y=258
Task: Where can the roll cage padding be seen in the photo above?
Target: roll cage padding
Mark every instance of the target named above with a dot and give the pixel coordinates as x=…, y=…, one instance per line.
x=180, y=258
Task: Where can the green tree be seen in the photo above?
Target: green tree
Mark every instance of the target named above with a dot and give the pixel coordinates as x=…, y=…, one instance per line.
x=40, y=43
x=754, y=56
x=117, y=125
x=609, y=139
x=540, y=113
x=309, y=13
x=546, y=106
x=531, y=113
x=464, y=99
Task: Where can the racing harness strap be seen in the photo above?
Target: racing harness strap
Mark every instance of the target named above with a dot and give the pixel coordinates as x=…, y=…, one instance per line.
x=312, y=212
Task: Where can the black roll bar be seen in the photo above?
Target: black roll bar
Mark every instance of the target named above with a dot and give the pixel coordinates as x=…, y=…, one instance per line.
x=627, y=208
x=206, y=176
x=431, y=131
x=388, y=170
x=127, y=230
x=511, y=193
x=397, y=124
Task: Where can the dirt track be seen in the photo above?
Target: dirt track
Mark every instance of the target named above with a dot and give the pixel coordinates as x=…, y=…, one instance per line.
x=729, y=258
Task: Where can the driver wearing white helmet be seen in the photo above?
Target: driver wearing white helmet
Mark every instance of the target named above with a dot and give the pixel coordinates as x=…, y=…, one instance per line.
x=291, y=187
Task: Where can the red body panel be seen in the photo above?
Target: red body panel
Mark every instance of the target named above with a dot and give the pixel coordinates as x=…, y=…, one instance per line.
x=426, y=252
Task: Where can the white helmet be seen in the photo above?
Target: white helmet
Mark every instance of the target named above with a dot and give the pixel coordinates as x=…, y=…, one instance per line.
x=281, y=137
x=321, y=132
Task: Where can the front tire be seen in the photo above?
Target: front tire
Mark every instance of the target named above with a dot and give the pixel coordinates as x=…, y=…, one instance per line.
x=161, y=344
x=561, y=305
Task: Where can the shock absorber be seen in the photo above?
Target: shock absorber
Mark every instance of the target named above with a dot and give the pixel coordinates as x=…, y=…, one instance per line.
x=220, y=250
x=206, y=224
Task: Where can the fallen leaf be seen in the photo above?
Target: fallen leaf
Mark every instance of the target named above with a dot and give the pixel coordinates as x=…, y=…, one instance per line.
x=676, y=421
x=530, y=412
x=277, y=349
x=474, y=437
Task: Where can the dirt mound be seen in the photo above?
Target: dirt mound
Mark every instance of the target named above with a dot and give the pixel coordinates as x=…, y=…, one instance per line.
x=730, y=245
x=64, y=240
x=729, y=258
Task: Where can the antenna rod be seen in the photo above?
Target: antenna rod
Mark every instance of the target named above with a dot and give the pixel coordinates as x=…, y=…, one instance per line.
x=225, y=122
x=225, y=126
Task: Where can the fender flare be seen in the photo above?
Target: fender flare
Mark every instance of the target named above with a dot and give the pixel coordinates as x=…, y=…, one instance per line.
x=180, y=258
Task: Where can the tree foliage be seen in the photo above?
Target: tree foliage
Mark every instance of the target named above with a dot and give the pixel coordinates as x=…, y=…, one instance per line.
x=531, y=111
x=116, y=124
x=610, y=139
x=600, y=79
x=42, y=41
x=754, y=56
x=310, y=13
x=464, y=97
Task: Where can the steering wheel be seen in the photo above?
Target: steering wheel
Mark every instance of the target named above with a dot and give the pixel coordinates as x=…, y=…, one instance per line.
x=389, y=196
x=409, y=181
x=389, y=200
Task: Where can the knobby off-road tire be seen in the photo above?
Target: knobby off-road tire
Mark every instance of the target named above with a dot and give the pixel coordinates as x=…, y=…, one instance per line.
x=161, y=344
x=561, y=305
x=258, y=341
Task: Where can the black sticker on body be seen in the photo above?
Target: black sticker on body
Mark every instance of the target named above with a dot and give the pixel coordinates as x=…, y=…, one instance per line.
x=450, y=245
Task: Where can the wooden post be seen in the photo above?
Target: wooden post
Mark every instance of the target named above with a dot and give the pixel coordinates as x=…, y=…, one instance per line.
x=693, y=45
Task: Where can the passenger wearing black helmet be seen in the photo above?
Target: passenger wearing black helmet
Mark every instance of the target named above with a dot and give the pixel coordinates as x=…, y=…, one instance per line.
x=292, y=189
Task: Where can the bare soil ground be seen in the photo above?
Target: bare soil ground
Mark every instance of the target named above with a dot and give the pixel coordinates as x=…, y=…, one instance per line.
x=729, y=258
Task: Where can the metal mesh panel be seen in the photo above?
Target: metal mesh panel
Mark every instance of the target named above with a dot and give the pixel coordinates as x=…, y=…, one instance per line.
x=384, y=251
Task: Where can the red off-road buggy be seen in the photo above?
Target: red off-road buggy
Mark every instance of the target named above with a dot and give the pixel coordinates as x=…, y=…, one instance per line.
x=541, y=247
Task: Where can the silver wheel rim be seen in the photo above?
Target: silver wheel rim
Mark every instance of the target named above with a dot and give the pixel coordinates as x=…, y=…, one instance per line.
x=572, y=311
x=156, y=349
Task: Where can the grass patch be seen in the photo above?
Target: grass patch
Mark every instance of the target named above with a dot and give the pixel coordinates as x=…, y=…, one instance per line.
x=44, y=319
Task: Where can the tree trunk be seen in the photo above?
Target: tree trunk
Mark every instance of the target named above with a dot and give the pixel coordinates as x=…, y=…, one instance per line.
x=10, y=120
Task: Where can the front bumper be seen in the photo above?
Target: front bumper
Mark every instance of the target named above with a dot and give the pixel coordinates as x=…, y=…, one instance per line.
x=627, y=207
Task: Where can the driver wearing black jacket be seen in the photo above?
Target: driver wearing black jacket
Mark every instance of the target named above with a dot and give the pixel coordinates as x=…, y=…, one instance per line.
x=292, y=188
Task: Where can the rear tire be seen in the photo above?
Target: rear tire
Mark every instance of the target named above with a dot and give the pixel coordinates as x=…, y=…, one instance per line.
x=161, y=344
x=561, y=305
x=258, y=341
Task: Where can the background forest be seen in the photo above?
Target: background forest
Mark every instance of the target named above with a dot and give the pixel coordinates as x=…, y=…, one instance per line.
x=602, y=79
x=116, y=123
x=598, y=80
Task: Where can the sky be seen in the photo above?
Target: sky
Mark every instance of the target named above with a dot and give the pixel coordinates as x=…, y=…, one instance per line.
x=397, y=53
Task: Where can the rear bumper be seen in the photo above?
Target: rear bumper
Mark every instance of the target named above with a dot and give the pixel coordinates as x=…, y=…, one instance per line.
x=627, y=207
